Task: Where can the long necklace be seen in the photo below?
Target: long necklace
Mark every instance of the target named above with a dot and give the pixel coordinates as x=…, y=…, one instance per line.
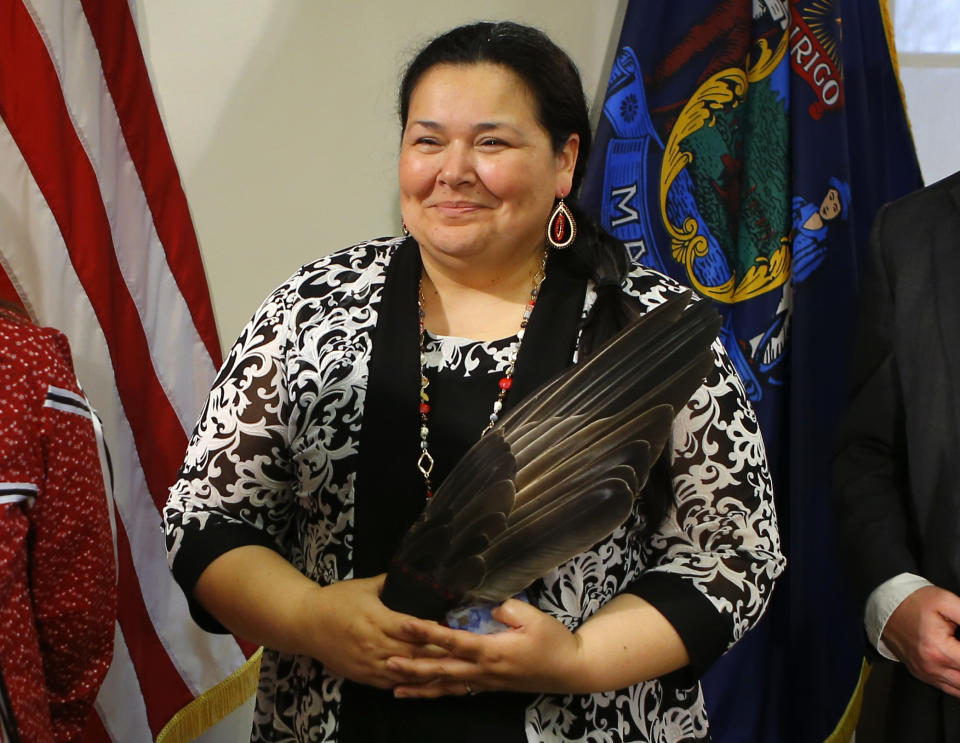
x=425, y=461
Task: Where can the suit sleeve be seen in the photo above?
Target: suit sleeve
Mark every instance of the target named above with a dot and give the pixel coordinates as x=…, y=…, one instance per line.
x=73, y=575
x=871, y=468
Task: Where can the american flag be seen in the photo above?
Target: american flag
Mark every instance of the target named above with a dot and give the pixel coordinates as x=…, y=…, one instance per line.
x=96, y=240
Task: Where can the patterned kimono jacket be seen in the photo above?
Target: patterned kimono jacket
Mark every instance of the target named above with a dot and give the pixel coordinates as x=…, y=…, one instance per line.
x=274, y=461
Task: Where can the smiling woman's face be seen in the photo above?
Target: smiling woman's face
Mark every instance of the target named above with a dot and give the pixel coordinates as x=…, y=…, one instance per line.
x=478, y=173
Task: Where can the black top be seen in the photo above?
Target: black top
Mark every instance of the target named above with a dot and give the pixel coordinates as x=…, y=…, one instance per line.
x=391, y=489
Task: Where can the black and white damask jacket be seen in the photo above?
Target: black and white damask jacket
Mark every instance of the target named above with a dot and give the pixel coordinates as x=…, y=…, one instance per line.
x=280, y=452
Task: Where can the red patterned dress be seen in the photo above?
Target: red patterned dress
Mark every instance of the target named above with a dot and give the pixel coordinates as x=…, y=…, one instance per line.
x=57, y=573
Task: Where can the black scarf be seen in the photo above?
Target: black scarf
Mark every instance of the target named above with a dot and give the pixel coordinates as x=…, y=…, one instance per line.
x=389, y=491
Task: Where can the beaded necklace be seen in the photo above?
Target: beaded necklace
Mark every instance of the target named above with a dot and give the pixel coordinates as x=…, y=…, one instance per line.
x=425, y=461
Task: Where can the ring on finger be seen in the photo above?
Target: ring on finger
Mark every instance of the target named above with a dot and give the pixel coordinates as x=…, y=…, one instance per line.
x=469, y=688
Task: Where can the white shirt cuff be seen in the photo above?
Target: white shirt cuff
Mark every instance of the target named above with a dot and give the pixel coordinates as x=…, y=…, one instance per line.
x=883, y=602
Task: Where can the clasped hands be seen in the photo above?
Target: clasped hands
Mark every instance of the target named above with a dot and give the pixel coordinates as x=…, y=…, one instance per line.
x=370, y=644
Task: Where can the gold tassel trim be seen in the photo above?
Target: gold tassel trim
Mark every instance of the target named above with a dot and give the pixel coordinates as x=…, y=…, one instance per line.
x=894, y=60
x=847, y=726
x=214, y=704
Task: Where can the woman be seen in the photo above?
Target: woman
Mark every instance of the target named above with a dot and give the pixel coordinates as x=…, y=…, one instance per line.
x=323, y=436
x=58, y=599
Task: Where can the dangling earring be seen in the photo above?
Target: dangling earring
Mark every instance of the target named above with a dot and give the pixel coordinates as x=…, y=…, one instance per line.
x=561, y=228
x=406, y=232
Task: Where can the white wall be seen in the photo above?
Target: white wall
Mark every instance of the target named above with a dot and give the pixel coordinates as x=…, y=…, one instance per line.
x=281, y=116
x=927, y=37
x=281, y=113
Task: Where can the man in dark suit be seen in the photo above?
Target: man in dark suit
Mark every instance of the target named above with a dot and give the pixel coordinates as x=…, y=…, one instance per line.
x=898, y=465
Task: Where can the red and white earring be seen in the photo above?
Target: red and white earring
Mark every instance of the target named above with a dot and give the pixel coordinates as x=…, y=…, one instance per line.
x=561, y=227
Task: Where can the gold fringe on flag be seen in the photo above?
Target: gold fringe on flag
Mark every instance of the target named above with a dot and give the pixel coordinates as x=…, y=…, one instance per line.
x=894, y=61
x=847, y=726
x=214, y=704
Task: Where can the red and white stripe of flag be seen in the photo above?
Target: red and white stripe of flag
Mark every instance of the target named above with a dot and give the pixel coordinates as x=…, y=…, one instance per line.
x=96, y=239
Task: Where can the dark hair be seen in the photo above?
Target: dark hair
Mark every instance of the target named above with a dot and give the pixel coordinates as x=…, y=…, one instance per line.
x=547, y=70
x=553, y=80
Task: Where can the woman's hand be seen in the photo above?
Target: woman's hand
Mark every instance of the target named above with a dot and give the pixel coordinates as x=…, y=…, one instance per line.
x=536, y=653
x=625, y=642
x=260, y=596
x=354, y=634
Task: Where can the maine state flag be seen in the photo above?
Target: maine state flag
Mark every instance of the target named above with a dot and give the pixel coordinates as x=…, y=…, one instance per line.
x=744, y=149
